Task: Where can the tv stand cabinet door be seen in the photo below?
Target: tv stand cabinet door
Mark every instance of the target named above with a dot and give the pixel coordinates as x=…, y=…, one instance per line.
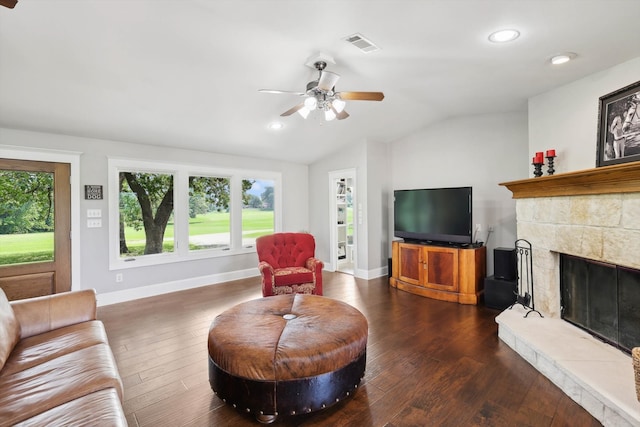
x=446, y=274
x=440, y=268
x=410, y=263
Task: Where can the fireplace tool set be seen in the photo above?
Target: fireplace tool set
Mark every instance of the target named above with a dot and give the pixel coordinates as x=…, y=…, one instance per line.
x=524, y=263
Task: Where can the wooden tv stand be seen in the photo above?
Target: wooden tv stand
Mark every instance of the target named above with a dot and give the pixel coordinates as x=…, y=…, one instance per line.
x=439, y=272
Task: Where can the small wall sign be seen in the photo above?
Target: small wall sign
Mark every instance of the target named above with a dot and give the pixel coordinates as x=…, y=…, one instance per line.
x=93, y=192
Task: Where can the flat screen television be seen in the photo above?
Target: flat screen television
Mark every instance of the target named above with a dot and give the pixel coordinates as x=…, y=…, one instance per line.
x=434, y=215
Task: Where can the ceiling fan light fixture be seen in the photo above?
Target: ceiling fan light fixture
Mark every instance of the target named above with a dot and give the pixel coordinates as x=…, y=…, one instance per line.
x=304, y=112
x=329, y=115
x=338, y=104
x=311, y=103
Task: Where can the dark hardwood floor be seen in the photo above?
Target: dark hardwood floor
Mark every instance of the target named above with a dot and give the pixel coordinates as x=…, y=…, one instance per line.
x=429, y=363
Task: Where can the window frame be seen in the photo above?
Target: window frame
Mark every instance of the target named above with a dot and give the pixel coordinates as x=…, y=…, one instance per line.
x=181, y=173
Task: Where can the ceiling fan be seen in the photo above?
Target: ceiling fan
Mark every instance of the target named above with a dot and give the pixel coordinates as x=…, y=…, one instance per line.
x=321, y=95
x=8, y=3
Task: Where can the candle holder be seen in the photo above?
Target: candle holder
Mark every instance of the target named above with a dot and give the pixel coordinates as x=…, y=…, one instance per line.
x=537, y=169
x=550, y=169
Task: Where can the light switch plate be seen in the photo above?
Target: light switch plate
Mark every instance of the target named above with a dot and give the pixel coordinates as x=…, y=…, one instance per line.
x=94, y=223
x=94, y=213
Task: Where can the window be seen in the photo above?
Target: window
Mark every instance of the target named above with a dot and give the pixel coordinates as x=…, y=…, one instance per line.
x=170, y=213
x=26, y=216
x=258, y=217
x=145, y=213
x=209, y=213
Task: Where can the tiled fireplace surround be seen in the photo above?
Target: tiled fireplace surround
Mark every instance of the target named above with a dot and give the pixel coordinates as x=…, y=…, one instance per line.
x=593, y=214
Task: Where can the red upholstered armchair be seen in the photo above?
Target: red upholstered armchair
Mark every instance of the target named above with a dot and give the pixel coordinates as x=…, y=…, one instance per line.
x=288, y=264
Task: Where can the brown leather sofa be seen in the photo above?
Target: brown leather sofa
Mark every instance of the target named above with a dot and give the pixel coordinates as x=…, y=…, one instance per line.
x=56, y=366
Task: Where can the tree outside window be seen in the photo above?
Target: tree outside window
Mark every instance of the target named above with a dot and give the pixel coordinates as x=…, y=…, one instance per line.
x=258, y=218
x=26, y=217
x=146, y=208
x=184, y=212
x=209, y=214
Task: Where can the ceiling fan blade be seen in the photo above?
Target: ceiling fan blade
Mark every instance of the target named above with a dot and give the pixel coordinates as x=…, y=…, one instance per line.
x=8, y=3
x=292, y=110
x=361, y=96
x=341, y=115
x=286, y=92
x=327, y=80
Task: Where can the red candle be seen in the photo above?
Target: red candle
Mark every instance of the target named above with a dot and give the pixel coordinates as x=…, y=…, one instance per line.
x=539, y=157
x=551, y=153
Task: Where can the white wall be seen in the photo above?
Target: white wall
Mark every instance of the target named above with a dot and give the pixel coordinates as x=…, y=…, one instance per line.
x=566, y=118
x=479, y=151
x=378, y=188
x=94, y=244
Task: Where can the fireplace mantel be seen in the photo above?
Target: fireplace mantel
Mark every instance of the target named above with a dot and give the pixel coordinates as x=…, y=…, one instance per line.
x=622, y=178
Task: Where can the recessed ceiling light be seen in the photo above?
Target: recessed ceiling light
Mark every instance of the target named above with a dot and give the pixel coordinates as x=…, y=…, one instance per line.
x=276, y=125
x=562, y=58
x=503, y=36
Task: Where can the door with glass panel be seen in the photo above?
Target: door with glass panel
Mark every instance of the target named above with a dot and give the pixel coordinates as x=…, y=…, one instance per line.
x=35, y=228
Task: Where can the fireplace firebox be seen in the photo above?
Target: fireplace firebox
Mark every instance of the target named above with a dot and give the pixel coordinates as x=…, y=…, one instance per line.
x=601, y=298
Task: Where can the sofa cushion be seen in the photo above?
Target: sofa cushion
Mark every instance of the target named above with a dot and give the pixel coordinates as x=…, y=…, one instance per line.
x=44, y=347
x=101, y=408
x=293, y=275
x=9, y=329
x=48, y=312
x=37, y=389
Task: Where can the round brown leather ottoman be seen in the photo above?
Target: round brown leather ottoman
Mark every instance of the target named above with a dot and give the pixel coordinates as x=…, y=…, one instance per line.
x=287, y=354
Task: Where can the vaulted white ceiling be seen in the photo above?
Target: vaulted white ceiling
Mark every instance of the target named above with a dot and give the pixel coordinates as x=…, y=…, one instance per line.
x=186, y=73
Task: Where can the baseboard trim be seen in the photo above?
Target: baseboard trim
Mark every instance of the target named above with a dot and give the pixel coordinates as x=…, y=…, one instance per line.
x=196, y=282
x=371, y=274
x=174, y=286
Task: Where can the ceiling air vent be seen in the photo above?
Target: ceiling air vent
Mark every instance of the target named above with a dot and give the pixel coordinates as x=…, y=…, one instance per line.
x=362, y=43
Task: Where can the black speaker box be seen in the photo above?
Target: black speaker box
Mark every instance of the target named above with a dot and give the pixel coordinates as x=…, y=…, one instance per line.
x=498, y=293
x=504, y=263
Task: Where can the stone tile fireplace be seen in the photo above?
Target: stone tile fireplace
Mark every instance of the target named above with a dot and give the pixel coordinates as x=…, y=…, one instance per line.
x=592, y=214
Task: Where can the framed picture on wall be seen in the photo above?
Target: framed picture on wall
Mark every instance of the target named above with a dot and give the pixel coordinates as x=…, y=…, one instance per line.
x=619, y=126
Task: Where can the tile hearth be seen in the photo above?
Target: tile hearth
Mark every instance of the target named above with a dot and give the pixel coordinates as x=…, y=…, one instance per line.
x=596, y=375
